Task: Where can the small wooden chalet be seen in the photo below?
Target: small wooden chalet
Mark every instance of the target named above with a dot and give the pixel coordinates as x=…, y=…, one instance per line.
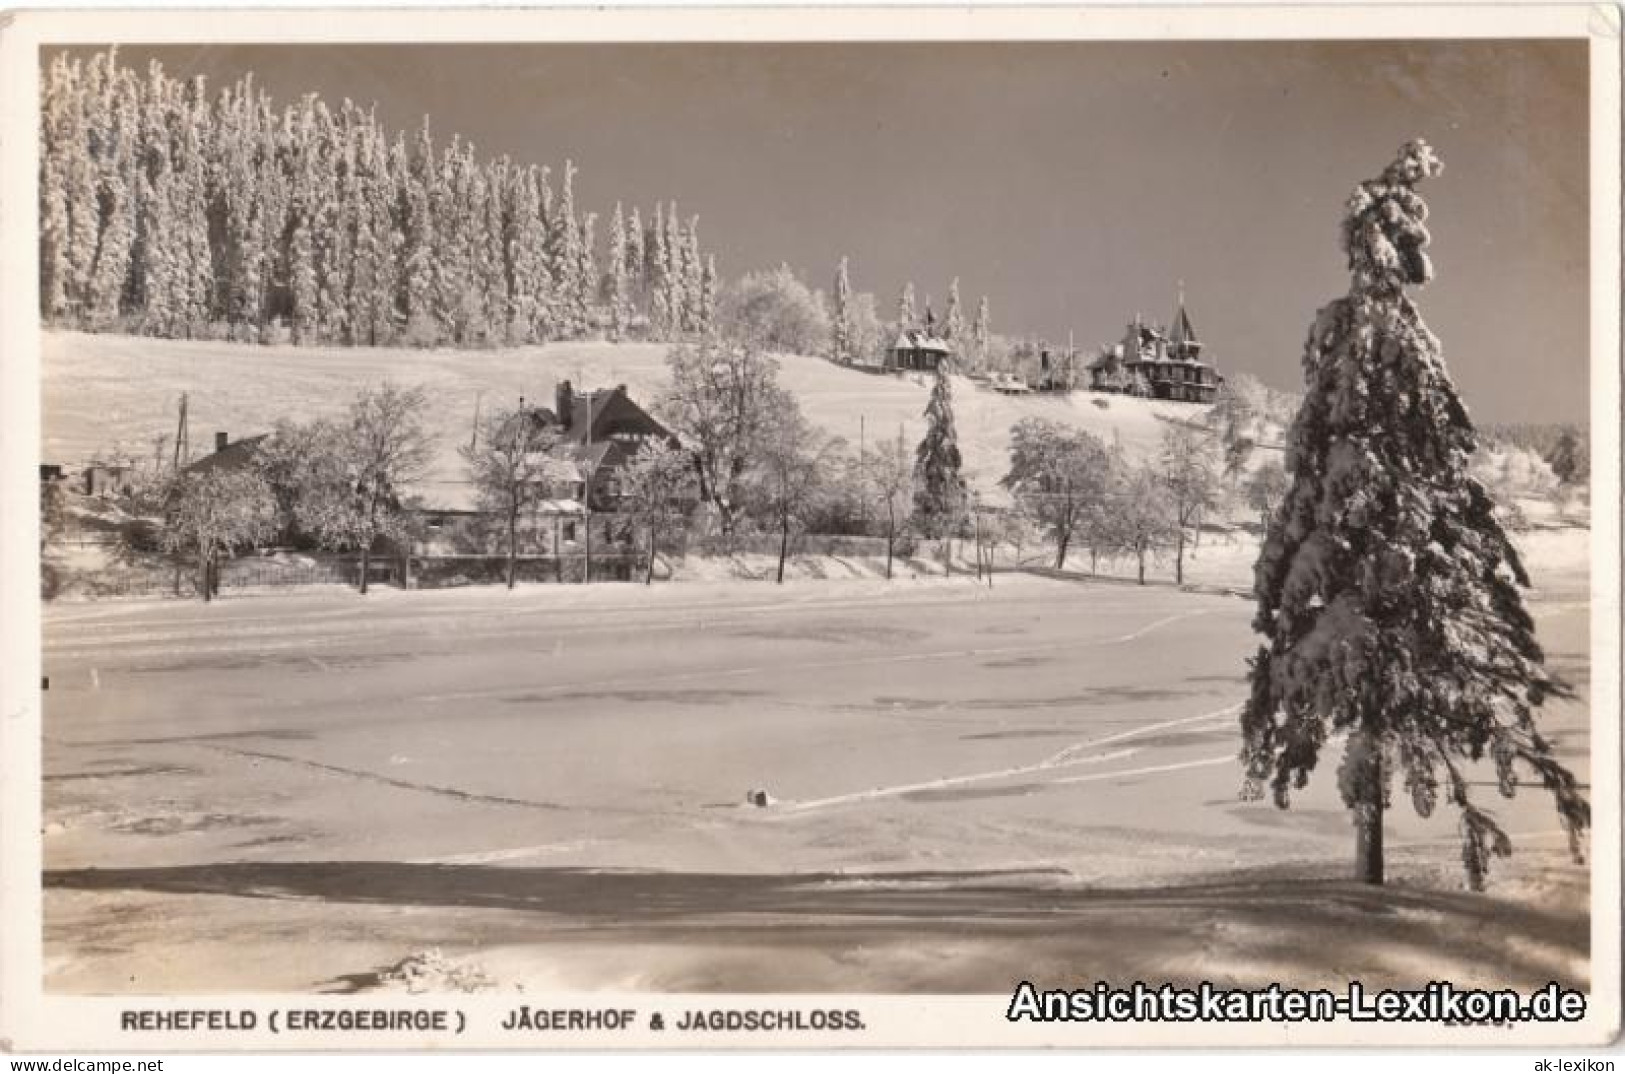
x=1157, y=363
x=918, y=349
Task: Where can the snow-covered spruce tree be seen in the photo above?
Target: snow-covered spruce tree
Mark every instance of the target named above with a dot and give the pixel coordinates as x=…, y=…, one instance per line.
x=1387, y=592
x=659, y=311
x=939, y=490
x=672, y=276
x=620, y=296
x=953, y=321
x=527, y=240
x=693, y=276
x=841, y=323
x=585, y=298
x=907, y=316
x=708, y=296
x=418, y=240
x=981, y=333
x=565, y=257
x=635, y=260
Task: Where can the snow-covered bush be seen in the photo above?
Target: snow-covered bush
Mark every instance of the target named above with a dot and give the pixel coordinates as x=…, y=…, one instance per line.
x=1513, y=472
x=777, y=312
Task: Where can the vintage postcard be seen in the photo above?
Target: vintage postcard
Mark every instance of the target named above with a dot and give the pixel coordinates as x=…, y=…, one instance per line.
x=811, y=528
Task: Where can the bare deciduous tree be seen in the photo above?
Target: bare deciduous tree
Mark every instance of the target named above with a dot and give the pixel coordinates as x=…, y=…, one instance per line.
x=787, y=473
x=213, y=511
x=723, y=399
x=1142, y=521
x=1056, y=474
x=512, y=466
x=1191, y=473
x=354, y=494
x=888, y=477
x=654, y=487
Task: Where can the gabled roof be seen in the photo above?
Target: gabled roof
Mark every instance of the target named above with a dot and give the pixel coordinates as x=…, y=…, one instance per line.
x=598, y=415
x=234, y=456
x=914, y=339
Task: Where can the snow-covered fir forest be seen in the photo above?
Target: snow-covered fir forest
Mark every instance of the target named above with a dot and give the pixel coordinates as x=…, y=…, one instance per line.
x=170, y=210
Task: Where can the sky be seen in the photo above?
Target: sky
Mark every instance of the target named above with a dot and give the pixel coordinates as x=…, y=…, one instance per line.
x=1073, y=183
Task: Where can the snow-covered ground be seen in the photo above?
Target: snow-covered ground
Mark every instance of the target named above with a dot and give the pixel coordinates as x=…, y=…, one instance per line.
x=103, y=393
x=545, y=788
x=971, y=786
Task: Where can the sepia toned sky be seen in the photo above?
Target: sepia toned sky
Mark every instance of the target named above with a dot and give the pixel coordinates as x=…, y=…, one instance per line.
x=1072, y=183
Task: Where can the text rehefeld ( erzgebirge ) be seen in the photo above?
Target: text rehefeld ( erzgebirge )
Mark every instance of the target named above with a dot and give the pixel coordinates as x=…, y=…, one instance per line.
x=1439, y=1002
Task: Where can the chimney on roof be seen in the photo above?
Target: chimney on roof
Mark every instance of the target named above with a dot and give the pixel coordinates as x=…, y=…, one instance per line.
x=220, y=441
x=563, y=400
x=621, y=388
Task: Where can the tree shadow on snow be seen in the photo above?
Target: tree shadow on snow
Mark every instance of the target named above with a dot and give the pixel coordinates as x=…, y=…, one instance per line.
x=1284, y=927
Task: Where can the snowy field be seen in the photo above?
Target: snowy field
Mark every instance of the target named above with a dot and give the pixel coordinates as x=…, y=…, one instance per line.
x=970, y=787
x=107, y=392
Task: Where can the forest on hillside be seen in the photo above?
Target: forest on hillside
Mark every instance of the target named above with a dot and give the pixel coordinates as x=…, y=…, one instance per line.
x=172, y=211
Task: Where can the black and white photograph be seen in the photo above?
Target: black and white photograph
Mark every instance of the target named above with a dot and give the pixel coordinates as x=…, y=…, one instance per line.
x=718, y=539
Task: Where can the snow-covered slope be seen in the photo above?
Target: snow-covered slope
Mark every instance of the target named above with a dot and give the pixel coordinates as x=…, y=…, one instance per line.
x=106, y=393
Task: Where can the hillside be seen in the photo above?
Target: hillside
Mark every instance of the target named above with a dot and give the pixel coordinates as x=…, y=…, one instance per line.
x=114, y=394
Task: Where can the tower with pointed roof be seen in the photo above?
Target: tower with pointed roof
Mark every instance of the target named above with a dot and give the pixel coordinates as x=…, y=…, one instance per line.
x=1160, y=363
x=1182, y=341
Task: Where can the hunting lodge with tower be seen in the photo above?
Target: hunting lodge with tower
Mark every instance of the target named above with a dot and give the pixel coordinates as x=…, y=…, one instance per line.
x=1157, y=363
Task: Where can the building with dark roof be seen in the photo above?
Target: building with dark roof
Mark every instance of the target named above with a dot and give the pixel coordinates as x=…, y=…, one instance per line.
x=228, y=455
x=598, y=432
x=1158, y=363
x=918, y=349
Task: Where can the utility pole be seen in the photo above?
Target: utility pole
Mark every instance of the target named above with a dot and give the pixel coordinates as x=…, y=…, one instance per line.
x=586, y=506
x=183, y=446
x=979, y=541
x=182, y=456
x=863, y=494
x=976, y=518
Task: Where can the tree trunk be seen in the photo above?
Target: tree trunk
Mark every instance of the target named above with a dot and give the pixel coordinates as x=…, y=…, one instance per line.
x=891, y=536
x=1060, y=551
x=1141, y=554
x=558, y=550
x=586, y=532
x=366, y=565
x=1179, y=560
x=1368, y=853
x=513, y=544
x=649, y=578
x=784, y=547
x=203, y=575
